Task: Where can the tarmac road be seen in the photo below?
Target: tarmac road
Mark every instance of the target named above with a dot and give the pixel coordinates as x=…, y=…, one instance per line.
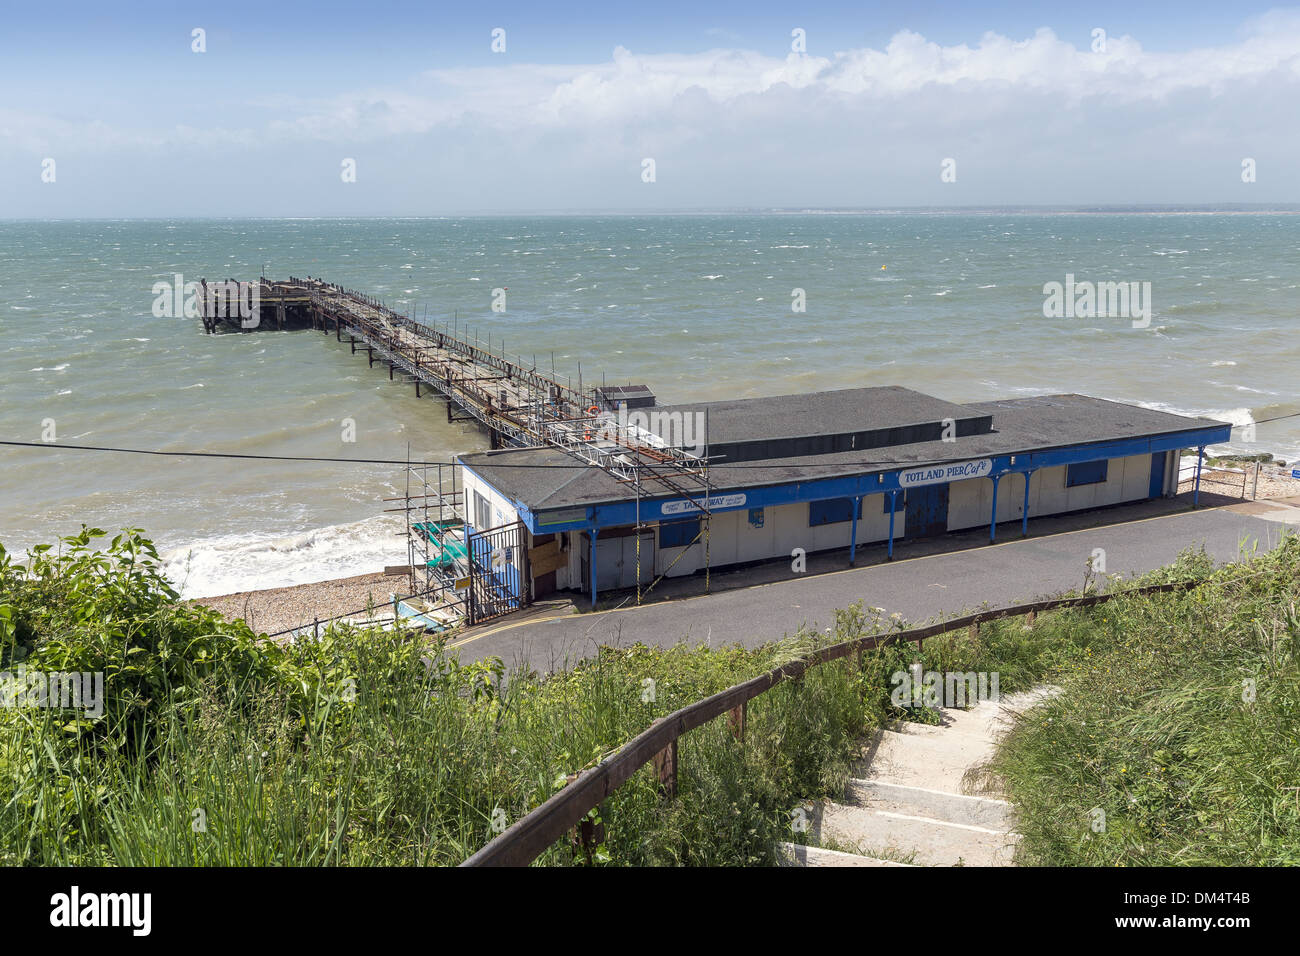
x=919, y=588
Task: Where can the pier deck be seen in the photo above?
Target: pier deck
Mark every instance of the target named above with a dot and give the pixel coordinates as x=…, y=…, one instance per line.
x=517, y=404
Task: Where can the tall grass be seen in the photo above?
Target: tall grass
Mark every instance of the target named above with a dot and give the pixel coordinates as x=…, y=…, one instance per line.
x=372, y=747
x=1176, y=737
x=369, y=747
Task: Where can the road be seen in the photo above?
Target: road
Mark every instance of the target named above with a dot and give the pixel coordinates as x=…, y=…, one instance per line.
x=918, y=588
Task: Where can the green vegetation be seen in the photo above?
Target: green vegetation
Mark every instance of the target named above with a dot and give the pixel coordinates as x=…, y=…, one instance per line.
x=1174, y=738
x=368, y=747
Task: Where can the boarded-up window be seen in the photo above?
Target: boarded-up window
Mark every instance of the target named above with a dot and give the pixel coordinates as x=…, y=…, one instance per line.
x=678, y=534
x=1085, y=473
x=832, y=511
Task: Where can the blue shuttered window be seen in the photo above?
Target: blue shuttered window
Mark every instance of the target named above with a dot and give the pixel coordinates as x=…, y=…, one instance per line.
x=678, y=534
x=1085, y=473
x=832, y=511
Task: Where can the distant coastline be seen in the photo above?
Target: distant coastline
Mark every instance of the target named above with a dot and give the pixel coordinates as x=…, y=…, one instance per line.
x=1170, y=209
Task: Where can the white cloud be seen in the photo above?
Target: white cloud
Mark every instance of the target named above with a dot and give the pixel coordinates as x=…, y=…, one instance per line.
x=632, y=87
x=1034, y=119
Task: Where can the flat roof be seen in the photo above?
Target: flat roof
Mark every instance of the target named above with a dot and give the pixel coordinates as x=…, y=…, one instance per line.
x=834, y=412
x=1020, y=426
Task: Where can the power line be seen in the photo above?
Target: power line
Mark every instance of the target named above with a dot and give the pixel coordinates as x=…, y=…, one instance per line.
x=213, y=454
x=575, y=466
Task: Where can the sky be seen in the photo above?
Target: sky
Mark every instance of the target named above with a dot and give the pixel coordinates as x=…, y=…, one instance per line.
x=392, y=109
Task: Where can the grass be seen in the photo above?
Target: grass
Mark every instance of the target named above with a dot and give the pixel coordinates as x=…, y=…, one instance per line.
x=1174, y=739
x=367, y=747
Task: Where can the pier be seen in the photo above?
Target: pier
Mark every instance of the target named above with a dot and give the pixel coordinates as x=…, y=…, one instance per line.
x=463, y=568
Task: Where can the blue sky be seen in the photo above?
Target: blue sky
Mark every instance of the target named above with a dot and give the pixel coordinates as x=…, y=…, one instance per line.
x=1014, y=93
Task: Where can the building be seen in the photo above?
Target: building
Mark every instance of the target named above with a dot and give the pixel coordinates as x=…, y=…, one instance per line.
x=825, y=471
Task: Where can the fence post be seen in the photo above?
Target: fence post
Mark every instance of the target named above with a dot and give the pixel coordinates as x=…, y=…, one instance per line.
x=588, y=834
x=665, y=764
x=974, y=631
x=738, y=717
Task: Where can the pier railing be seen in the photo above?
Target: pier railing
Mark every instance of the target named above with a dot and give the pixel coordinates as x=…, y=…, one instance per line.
x=560, y=816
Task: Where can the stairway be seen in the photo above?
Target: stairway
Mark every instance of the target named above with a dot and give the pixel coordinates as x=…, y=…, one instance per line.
x=905, y=804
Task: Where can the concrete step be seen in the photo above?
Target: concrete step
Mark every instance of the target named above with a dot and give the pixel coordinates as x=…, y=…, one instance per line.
x=793, y=854
x=932, y=761
x=937, y=804
x=924, y=840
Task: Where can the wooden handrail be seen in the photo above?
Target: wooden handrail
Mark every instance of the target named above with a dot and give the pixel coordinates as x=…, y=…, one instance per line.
x=531, y=835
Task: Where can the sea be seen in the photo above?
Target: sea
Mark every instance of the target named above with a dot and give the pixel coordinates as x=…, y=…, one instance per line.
x=696, y=306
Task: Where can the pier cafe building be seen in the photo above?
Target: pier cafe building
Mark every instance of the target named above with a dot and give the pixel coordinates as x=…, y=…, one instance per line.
x=827, y=471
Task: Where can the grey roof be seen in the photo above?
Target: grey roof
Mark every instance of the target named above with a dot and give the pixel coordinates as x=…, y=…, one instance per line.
x=1020, y=426
x=834, y=412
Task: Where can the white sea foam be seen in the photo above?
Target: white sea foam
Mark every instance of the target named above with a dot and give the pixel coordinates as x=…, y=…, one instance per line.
x=229, y=563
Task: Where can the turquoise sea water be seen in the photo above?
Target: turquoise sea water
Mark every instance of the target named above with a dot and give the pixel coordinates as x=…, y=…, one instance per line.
x=697, y=307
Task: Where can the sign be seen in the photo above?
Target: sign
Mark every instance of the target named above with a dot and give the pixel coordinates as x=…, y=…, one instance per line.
x=936, y=474
x=461, y=584
x=562, y=517
x=1295, y=472
x=693, y=507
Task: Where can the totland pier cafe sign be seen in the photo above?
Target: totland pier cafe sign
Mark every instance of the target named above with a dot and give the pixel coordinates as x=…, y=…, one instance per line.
x=953, y=471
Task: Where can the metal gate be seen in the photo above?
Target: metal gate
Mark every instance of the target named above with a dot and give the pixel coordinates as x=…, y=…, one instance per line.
x=498, y=572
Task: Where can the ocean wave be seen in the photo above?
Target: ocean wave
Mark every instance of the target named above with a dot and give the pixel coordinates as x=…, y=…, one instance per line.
x=226, y=564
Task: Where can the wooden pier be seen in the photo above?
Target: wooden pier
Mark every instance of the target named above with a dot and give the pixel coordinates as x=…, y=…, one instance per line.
x=517, y=404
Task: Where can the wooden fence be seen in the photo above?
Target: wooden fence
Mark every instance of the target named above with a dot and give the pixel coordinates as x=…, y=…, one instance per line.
x=533, y=834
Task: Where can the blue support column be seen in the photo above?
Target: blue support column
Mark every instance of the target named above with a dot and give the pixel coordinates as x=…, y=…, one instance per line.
x=1196, y=491
x=893, y=501
x=1024, y=519
x=594, y=532
x=853, y=531
x=993, y=521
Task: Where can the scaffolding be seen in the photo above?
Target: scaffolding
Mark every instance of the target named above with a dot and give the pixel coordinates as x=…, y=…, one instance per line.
x=451, y=581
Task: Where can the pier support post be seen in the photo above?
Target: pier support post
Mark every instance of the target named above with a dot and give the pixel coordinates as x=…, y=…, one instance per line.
x=1024, y=518
x=1196, y=491
x=853, y=529
x=893, y=506
x=594, y=532
x=993, y=521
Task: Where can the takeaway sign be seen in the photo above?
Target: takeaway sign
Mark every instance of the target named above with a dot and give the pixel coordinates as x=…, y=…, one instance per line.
x=716, y=503
x=936, y=474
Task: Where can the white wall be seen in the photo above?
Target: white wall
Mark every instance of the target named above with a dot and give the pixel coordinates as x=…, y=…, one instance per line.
x=970, y=502
x=503, y=510
x=732, y=540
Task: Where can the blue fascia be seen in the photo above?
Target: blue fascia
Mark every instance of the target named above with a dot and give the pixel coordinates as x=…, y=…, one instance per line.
x=851, y=486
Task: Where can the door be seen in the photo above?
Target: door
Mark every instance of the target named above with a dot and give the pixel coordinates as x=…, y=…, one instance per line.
x=1157, y=487
x=609, y=563
x=627, y=579
x=616, y=562
x=927, y=511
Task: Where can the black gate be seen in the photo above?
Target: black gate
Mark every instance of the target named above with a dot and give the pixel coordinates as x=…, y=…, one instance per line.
x=498, y=572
